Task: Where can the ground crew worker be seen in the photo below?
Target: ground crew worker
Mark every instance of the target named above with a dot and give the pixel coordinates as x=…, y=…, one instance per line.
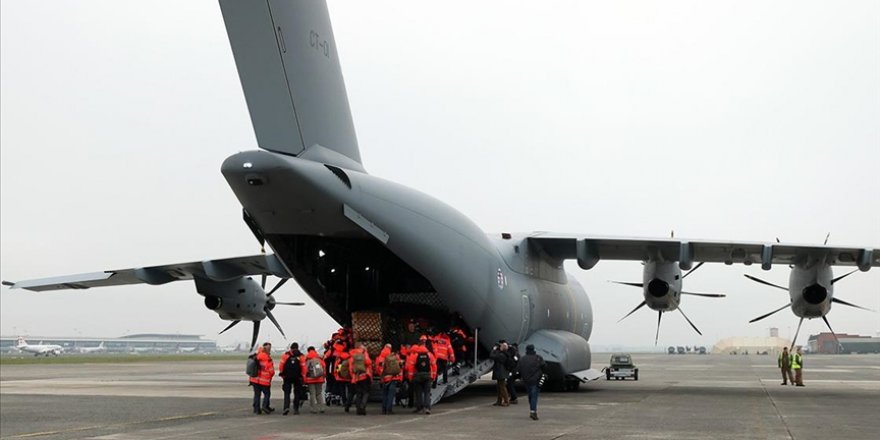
x=342, y=376
x=531, y=368
x=421, y=370
x=797, y=363
x=262, y=383
x=388, y=368
x=360, y=366
x=313, y=371
x=289, y=369
x=500, y=373
x=784, y=364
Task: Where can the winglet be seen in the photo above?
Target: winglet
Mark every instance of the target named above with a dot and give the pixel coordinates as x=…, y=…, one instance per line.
x=8, y=283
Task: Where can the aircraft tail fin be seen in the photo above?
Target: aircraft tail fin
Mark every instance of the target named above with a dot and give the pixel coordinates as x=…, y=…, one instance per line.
x=289, y=69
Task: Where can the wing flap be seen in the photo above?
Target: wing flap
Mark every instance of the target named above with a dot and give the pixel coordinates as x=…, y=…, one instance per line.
x=594, y=248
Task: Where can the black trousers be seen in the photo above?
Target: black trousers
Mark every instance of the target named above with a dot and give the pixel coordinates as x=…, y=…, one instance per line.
x=361, y=393
x=295, y=385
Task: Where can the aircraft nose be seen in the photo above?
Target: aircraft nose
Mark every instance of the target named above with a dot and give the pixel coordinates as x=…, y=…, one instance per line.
x=815, y=294
x=658, y=288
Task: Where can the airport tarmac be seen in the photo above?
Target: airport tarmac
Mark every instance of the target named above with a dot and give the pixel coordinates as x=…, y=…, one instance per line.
x=676, y=397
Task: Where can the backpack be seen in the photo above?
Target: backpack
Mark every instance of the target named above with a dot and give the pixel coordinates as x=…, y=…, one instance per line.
x=314, y=370
x=359, y=363
x=423, y=368
x=291, y=368
x=342, y=370
x=253, y=366
x=392, y=366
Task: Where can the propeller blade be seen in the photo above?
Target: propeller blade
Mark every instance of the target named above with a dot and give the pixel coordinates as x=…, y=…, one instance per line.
x=272, y=318
x=768, y=314
x=277, y=286
x=628, y=284
x=633, y=310
x=256, y=333
x=796, y=335
x=291, y=303
x=840, y=301
x=826, y=240
x=707, y=295
x=689, y=322
x=692, y=270
x=839, y=346
x=657, y=336
x=263, y=282
x=229, y=326
x=758, y=280
x=843, y=276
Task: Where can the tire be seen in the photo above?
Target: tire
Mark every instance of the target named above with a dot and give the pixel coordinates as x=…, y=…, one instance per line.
x=607, y=375
x=636, y=375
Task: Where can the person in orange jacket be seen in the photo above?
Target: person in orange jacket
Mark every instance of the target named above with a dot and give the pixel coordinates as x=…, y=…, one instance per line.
x=360, y=367
x=342, y=377
x=290, y=371
x=314, y=371
x=421, y=370
x=444, y=353
x=389, y=369
x=262, y=383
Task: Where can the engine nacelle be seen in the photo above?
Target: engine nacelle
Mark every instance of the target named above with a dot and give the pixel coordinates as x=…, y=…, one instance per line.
x=240, y=298
x=811, y=290
x=661, y=283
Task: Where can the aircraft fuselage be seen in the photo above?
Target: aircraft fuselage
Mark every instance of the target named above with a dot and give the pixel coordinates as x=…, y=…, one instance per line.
x=355, y=241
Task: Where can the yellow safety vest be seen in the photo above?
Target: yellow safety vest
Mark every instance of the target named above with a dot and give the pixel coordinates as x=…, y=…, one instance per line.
x=796, y=362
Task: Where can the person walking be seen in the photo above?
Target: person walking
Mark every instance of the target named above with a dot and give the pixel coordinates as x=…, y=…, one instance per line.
x=314, y=370
x=262, y=382
x=500, y=373
x=342, y=376
x=530, y=369
x=388, y=368
x=784, y=364
x=360, y=367
x=290, y=371
x=512, y=361
x=421, y=370
x=797, y=363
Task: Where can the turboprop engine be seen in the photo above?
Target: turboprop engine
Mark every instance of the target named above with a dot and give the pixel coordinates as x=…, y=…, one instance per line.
x=241, y=299
x=661, y=288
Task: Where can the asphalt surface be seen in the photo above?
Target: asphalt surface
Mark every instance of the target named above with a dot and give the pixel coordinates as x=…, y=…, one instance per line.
x=676, y=397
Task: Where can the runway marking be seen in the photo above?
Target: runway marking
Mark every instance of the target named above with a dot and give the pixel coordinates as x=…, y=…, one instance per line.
x=114, y=425
x=776, y=409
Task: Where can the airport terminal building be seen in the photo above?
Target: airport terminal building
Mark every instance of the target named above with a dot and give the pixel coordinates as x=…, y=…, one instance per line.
x=137, y=343
x=825, y=343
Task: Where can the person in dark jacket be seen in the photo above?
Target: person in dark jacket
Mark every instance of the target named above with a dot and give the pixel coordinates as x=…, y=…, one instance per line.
x=512, y=360
x=500, y=373
x=531, y=368
x=290, y=372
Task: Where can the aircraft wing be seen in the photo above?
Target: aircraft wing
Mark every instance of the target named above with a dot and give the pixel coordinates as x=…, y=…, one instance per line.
x=588, y=250
x=216, y=270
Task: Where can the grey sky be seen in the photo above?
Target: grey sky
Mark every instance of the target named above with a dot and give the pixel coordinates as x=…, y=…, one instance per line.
x=722, y=120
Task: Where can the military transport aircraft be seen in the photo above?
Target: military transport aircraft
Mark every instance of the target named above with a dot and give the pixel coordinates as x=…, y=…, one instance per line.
x=354, y=241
